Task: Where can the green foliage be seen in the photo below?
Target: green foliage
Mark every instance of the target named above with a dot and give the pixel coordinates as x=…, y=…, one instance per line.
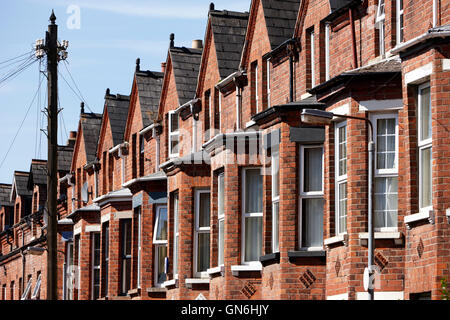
x=444, y=289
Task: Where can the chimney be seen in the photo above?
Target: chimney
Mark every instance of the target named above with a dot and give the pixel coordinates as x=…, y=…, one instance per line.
x=138, y=64
x=163, y=67
x=197, y=44
x=82, y=107
x=211, y=6
x=72, y=139
x=172, y=38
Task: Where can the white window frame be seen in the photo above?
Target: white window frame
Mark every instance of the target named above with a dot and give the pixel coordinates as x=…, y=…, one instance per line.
x=200, y=230
x=268, y=83
x=399, y=14
x=380, y=24
x=220, y=218
x=247, y=215
x=256, y=88
x=313, y=62
x=340, y=179
x=422, y=145
x=309, y=194
x=173, y=134
x=327, y=51
x=176, y=234
x=123, y=257
x=138, y=211
x=275, y=153
x=158, y=244
x=385, y=173
x=220, y=111
x=94, y=267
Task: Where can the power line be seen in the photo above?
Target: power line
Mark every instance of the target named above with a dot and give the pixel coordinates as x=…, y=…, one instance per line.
x=76, y=86
x=24, y=54
x=15, y=73
x=21, y=124
x=76, y=94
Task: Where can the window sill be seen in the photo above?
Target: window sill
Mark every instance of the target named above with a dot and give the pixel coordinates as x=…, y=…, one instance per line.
x=293, y=255
x=216, y=270
x=250, y=124
x=397, y=237
x=170, y=283
x=134, y=292
x=417, y=217
x=236, y=270
x=336, y=240
x=196, y=281
x=270, y=259
x=156, y=290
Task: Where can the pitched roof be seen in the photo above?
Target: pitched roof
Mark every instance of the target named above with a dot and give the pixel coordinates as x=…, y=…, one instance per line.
x=21, y=183
x=117, y=113
x=281, y=16
x=64, y=158
x=5, y=192
x=38, y=173
x=186, y=65
x=229, y=29
x=149, y=85
x=90, y=124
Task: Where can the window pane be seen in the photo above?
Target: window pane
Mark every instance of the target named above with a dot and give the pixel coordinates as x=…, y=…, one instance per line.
x=253, y=238
x=386, y=202
x=342, y=156
x=221, y=241
x=253, y=191
x=204, y=210
x=386, y=143
x=221, y=194
x=275, y=174
x=161, y=254
x=312, y=222
x=425, y=114
x=425, y=171
x=342, y=208
x=313, y=169
x=126, y=237
x=174, y=144
x=203, y=252
x=174, y=122
x=175, y=245
x=275, y=226
x=161, y=231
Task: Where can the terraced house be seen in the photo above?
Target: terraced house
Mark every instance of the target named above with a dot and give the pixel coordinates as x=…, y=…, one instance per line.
x=243, y=169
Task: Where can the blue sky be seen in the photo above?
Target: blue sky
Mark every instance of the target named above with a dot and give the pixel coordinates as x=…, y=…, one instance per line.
x=102, y=54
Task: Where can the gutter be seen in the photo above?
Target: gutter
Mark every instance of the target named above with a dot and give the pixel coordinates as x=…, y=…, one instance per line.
x=143, y=179
x=422, y=38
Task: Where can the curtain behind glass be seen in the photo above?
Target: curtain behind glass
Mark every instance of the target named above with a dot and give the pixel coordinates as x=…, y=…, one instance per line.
x=312, y=222
x=313, y=170
x=203, y=252
x=253, y=238
x=254, y=191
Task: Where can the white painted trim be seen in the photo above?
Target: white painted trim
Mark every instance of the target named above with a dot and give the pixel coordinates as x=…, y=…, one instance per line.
x=169, y=283
x=235, y=270
x=249, y=124
x=381, y=105
x=447, y=212
x=199, y=230
x=380, y=235
x=305, y=96
x=335, y=239
x=219, y=269
x=342, y=296
x=342, y=110
x=123, y=215
x=92, y=228
x=423, y=215
x=381, y=295
x=190, y=281
x=445, y=64
x=77, y=231
x=420, y=74
x=105, y=218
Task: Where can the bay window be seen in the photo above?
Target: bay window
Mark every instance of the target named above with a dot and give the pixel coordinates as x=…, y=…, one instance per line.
x=126, y=255
x=138, y=217
x=341, y=177
x=176, y=234
x=386, y=172
x=252, y=215
x=160, y=243
x=425, y=148
x=311, y=197
x=174, y=134
x=400, y=21
x=221, y=217
x=201, y=232
x=95, y=268
x=105, y=268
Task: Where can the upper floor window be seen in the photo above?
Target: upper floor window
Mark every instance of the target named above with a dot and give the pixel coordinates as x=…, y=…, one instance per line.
x=207, y=115
x=327, y=52
x=386, y=172
x=425, y=147
x=275, y=199
x=312, y=58
x=254, y=87
x=267, y=83
x=380, y=25
x=400, y=27
x=311, y=197
x=217, y=110
x=341, y=177
x=141, y=155
x=174, y=134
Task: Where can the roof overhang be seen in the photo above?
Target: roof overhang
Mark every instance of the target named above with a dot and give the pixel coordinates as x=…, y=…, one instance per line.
x=159, y=176
x=432, y=33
